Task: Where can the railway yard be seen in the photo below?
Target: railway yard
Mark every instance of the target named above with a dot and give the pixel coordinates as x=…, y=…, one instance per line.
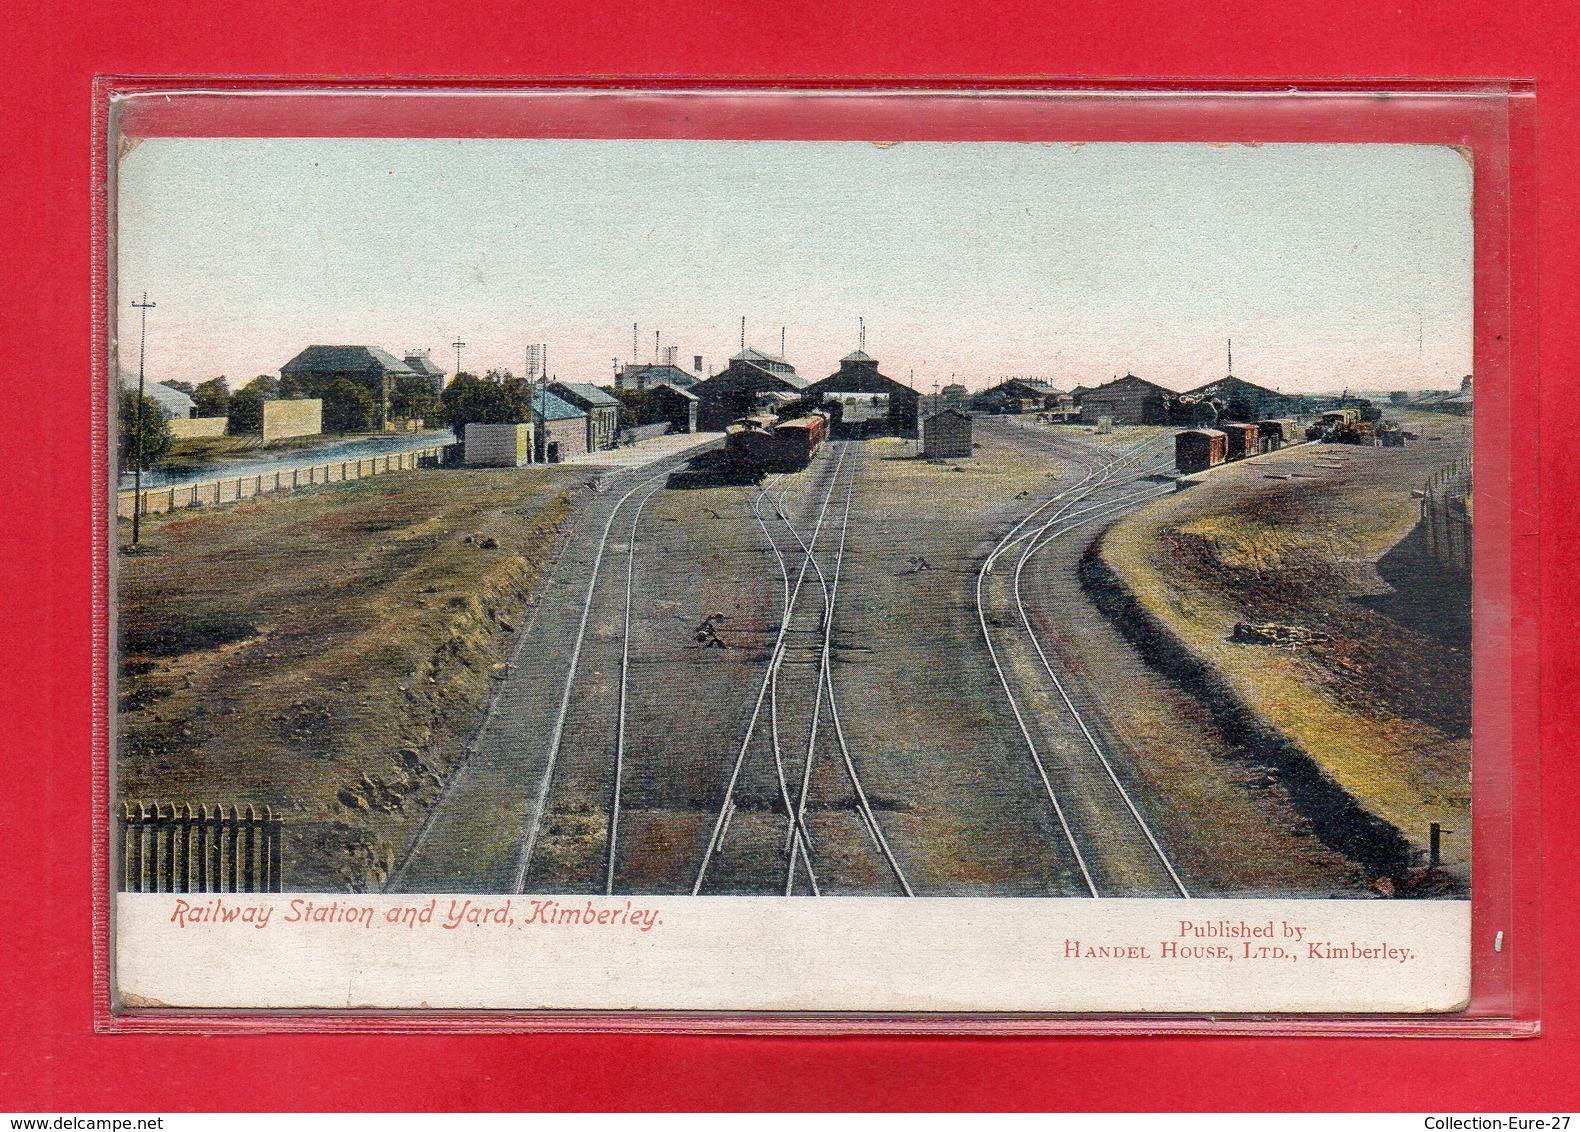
x=879, y=675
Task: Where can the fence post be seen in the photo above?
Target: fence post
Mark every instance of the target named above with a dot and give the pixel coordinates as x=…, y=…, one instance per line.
x=232, y=854
x=249, y=875
x=276, y=833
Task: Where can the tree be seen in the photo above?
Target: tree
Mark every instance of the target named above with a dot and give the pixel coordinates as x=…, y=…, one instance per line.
x=347, y=407
x=246, y=413
x=413, y=397
x=497, y=399
x=268, y=388
x=156, y=431
x=179, y=386
x=639, y=407
x=212, y=398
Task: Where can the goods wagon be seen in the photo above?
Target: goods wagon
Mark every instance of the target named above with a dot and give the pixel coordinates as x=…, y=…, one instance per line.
x=1244, y=439
x=1197, y=449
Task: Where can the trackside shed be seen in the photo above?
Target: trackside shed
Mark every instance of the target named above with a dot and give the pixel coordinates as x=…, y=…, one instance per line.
x=946, y=435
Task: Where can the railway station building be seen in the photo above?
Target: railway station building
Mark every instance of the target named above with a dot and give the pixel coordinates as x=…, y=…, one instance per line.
x=859, y=378
x=602, y=409
x=735, y=391
x=1128, y=400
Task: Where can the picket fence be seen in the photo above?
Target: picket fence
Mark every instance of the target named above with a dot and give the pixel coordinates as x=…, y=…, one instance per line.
x=171, y=848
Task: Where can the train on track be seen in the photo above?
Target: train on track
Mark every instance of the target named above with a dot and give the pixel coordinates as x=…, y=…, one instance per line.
x=763, y=443
x=1197, y=449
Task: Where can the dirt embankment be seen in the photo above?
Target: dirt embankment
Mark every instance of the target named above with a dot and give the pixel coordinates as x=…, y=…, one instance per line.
x=1359, y=701
x=326, y=653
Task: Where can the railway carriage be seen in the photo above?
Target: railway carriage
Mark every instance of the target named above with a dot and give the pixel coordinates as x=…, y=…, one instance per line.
x=762, y=444
x=797, y=441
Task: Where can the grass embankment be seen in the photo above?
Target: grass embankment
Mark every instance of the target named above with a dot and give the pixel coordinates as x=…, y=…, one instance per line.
x=327, y=652
x=1367, y=717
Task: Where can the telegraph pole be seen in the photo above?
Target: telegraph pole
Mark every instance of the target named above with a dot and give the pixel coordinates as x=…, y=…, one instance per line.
x=458, y=344
x=144, y=306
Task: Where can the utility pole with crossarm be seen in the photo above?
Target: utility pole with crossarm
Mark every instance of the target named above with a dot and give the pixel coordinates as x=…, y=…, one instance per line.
x=137, y=466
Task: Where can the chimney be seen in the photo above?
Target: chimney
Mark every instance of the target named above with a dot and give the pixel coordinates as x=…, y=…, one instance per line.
x=670, y=353
x=696, y=362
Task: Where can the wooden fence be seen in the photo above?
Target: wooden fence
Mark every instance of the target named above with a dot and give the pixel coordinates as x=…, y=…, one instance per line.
x=1445, y=515
x=179, y=849
x=157, y=500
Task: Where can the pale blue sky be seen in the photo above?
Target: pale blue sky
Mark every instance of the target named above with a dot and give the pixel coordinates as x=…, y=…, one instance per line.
x=1327, y=265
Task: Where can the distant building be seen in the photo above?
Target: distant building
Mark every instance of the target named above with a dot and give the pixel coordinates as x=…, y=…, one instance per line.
x=645, y=376
x=1245, y=401
x=421, y=364
x=174, y=405
x=1027, y=395
x=561, y=427
x=954, y=394
x=737, y=389
x=678, y=406
x=1126, y=400
x=312, y=372
x=858, y=374
x=946, y=435
x=602, y=409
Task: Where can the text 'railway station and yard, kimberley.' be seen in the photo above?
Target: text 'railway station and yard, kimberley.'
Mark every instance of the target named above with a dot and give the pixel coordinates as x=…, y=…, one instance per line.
x=691, y=627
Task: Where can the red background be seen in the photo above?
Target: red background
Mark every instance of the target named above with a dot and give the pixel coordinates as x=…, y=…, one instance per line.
x=50, y=1057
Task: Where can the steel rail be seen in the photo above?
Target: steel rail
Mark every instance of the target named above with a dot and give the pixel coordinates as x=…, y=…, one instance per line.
x=557, y=733
x=1032, y=547
x=453, y=781
x=726, y=809
x=613, y=837
x=1102, y=475
x=797, y=836
x=826, y=680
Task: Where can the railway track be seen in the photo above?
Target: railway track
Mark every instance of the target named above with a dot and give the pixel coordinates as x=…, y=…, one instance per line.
x=829, y=585
x=533, y=819
x=464, y=779
x=1106, y=820
x=808, y=605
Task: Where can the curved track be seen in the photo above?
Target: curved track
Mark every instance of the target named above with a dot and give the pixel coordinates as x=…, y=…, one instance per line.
x=1108, y=816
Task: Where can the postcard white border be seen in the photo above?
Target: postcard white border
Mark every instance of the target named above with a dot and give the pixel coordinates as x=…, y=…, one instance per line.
x=858, y=954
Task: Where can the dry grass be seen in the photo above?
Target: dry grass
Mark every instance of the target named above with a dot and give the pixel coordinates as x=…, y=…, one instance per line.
x=1380, y=700
x=326, y=652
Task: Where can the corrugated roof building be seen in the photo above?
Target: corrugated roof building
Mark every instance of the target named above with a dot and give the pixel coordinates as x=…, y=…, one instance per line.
x=734, y=391
x=602, y=409
x=561, y=427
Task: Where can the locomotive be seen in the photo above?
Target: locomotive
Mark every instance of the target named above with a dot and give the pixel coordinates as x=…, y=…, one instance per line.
x=763, y=444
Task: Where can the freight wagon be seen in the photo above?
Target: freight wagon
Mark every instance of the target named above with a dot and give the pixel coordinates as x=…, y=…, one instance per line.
x=1244, y=439
x=1197, y=449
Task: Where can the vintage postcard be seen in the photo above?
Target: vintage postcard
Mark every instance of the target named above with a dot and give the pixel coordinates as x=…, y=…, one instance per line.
x=791, y=576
